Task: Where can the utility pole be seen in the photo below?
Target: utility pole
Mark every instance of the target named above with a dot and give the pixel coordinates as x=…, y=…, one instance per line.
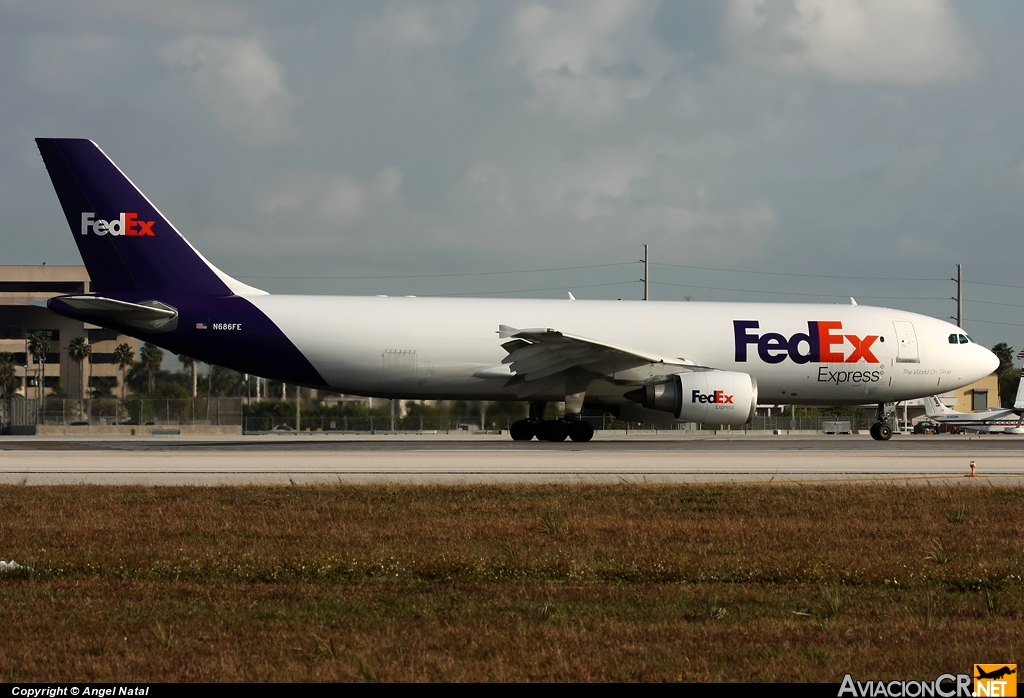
x=959, y=296
x=647, y=274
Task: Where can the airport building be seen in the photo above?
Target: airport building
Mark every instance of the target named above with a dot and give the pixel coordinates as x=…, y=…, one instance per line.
x=24, y=291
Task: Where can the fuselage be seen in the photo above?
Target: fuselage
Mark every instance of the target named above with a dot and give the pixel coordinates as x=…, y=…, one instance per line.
x=449, y=348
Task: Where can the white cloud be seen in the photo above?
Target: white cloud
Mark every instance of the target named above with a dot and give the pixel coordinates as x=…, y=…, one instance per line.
x=343, y=200
x=489, y=184
x=242, y=83
x=420, y=25
x=908, y=43
x=58, y=61
x=586, y=60
x=186, y=15
x=600, y=184
x=330, y=197
x=633, y=194
x=718, y=233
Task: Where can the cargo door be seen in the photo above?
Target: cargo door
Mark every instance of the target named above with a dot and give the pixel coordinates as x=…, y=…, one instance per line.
x=906, y=343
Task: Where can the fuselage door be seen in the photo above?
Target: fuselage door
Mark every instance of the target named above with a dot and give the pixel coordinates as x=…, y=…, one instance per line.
x=906, y=342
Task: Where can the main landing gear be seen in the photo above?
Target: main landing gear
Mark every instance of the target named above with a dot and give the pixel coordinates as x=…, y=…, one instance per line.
x=549, y=429
x=881, y=429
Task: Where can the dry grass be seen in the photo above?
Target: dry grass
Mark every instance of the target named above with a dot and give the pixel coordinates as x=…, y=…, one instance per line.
x=703, y=583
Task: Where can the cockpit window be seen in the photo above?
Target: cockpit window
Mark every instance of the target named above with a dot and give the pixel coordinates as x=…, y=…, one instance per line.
x=964, y=339
x=952, y=339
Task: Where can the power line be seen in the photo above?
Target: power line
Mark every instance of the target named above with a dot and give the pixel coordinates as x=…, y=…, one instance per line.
x=1008, y=305
x=779, y=273
x=789, y=293
x=993, y=322
x=985, y=283
x=439, y=276
x=529, y=291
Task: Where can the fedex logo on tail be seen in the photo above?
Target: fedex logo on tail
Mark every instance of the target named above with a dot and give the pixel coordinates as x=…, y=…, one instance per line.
x=822, y=343
x=125, y=224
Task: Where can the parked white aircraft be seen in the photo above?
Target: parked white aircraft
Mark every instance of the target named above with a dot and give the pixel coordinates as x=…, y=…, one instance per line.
x=694, y=362
x=999, y=419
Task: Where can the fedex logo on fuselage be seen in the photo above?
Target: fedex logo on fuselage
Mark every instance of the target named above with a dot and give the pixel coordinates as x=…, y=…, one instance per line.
x=125, y=224
x=822, y=343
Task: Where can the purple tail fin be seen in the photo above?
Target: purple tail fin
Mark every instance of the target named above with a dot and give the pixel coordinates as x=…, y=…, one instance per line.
x=126, y=243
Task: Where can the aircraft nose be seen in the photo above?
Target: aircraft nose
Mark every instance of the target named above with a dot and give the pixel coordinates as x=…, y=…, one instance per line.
x=988, y=361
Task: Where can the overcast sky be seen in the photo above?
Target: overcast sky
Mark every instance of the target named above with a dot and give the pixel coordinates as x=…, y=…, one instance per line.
x=838, y=138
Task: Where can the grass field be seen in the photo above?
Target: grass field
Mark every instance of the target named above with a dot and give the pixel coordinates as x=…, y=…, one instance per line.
x=593, y=583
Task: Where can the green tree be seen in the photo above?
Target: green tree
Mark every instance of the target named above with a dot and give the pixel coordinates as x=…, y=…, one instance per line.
x=1003, y=352
x=39, y=347
x=151, y=357
x=189, y=363
x=1007, y=373
x=224, y=382
x=125, y=357
x=7, y=374
x=79, y=350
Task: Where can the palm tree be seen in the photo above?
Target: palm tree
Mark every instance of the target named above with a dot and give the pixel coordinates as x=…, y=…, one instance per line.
x=39, y=347
x=151, y=357
x=79, y=350
x=125, y=357
x=190, y=363
x=7, y=375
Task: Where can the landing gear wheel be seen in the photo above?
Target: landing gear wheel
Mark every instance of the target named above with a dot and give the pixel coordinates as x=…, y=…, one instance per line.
x=581, y=431
x=881, y=431
x=523, y=430
x=555, y=430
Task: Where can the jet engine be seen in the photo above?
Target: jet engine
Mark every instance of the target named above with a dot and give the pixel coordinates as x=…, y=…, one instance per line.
x=708, y=397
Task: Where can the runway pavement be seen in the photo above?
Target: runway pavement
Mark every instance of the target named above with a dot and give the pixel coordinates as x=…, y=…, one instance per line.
x=427, y=459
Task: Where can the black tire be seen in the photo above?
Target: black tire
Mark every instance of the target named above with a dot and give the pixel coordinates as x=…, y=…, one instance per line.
x=581, y=431
x=523, y=430
x=555, y=431
x=874, y=432
x=884, y=432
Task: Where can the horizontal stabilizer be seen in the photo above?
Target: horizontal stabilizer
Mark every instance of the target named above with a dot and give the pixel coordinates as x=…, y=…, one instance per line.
x=152, y=316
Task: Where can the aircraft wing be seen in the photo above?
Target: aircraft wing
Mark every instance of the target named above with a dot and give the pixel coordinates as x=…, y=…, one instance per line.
x=541, y=358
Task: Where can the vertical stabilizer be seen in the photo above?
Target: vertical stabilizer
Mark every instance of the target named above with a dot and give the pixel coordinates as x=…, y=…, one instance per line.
x=933, y=407
x=126, y=243
x=1018, y=404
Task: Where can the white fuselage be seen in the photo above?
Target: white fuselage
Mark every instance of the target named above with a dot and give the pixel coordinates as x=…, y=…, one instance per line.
x=449, y=348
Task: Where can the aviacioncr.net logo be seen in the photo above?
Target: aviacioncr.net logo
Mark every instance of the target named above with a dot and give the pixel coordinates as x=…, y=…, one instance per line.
x=125, y=224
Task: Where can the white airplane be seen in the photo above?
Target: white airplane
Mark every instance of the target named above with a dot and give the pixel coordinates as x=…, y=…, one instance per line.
x=995, y=420
x=643, y=361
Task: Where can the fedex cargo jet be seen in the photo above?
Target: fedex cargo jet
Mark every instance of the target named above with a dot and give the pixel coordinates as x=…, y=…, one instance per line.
x=644, y=361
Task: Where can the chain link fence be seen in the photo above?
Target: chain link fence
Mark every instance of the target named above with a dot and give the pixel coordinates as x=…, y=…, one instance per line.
x=19, y=414
x=218, y=411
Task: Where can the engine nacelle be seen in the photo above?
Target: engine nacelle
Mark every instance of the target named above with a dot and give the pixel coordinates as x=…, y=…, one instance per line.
x=708, y=397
